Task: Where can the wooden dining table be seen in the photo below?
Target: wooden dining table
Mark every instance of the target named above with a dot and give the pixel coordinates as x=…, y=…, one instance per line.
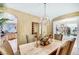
x=31, y=49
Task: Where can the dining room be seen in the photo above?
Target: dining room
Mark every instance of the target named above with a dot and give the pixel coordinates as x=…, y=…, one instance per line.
x=50, y=29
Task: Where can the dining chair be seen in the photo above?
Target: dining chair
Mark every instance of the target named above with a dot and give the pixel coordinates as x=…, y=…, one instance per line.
x=55, y=36
x=5, y=48
x=72, y=41
x=0, y=53
x=63, y=50
x=12, y=36
x=54, y=52
x=31, y=38
x=58, y=37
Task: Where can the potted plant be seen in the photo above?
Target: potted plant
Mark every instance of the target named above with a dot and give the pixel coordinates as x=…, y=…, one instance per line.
x=2, y=22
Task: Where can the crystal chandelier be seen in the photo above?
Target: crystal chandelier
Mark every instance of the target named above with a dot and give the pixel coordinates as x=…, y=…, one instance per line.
x=43, y=20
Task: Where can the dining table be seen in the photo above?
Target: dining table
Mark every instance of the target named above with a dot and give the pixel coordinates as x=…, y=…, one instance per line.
x=32, y=49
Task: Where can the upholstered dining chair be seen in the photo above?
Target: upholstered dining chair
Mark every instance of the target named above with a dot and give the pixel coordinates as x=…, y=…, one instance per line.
x=55, y=36
x=54, y=52
x=12, y=36
x=72, y=41
x=63, y=50
x=5, y=48
x=58, y=37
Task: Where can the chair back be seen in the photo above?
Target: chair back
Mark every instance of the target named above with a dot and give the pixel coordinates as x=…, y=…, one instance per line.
x=58, y=37
x=11, y=36
x=5, y=48
x=71, y=45
x=63, y=50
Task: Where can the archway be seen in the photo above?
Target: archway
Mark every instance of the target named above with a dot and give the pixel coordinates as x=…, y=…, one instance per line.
x=67, y=22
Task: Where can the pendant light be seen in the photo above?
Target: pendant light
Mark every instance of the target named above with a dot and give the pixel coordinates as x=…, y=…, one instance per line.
x=43, y=18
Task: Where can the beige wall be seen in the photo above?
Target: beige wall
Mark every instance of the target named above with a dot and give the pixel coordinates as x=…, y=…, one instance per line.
x=24, y=24
x=49, y=27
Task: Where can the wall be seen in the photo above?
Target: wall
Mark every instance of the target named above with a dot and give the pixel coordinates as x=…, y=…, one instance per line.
x=49, y=27
x=78, y=34
x=24, y=24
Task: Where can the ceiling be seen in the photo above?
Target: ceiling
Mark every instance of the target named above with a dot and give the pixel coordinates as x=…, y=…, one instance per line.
x=52, y=9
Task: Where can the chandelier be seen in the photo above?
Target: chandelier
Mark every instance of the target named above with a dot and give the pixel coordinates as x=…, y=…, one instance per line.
x=44, y=19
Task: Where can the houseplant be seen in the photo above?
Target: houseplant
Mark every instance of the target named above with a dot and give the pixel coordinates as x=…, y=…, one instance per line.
x=2, y=22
